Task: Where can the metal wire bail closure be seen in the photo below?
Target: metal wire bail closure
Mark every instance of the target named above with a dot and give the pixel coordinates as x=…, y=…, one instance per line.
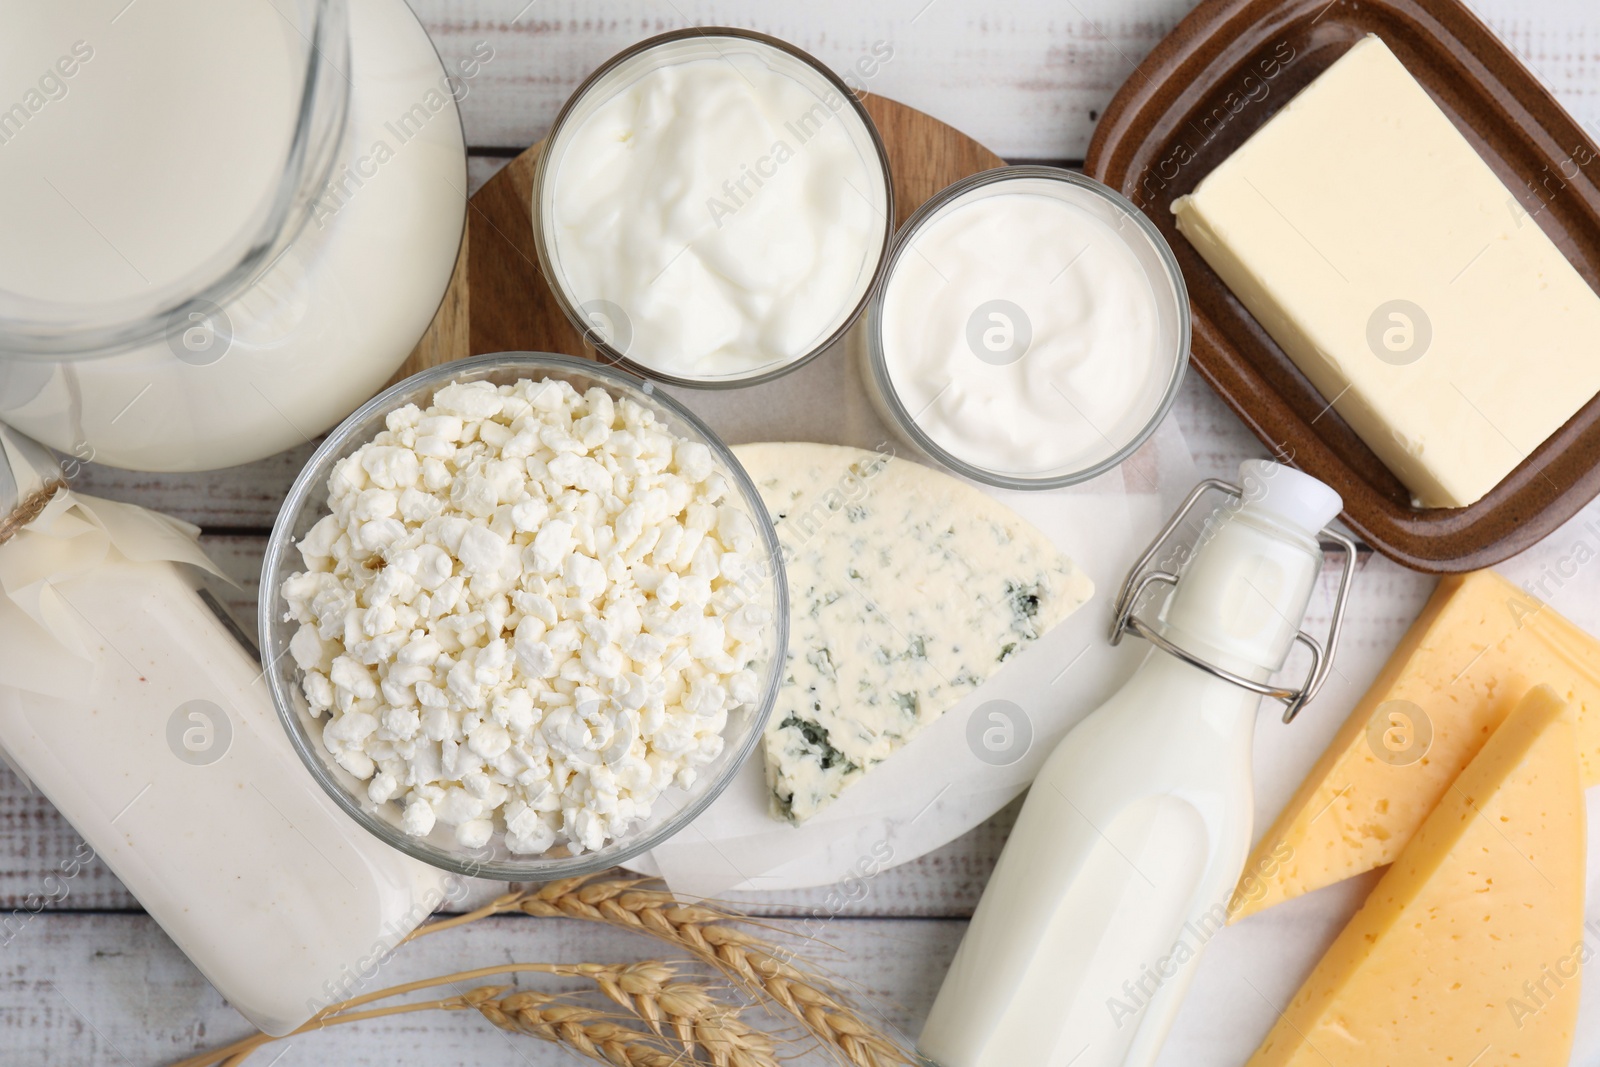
x=1322, y=652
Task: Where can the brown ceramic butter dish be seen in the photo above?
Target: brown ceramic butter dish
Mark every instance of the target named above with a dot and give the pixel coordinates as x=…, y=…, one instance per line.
x=1211, y=84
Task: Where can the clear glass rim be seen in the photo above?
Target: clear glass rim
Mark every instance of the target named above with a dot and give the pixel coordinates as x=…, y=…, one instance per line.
x=877, y=361
x=549, y=265
x=319, y=128
x=280, y=543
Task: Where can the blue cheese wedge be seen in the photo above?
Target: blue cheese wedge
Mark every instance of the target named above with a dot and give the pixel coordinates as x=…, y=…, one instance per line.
x=907, y=589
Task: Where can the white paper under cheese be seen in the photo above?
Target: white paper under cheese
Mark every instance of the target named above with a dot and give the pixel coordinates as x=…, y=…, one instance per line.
x=907, y=589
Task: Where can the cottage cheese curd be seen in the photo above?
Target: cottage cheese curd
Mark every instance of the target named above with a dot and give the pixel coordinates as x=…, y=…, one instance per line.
x=522, y=613
x=719, y=216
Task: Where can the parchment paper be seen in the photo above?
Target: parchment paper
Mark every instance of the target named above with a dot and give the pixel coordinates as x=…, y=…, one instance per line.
x=938, y=787
x=48, y=644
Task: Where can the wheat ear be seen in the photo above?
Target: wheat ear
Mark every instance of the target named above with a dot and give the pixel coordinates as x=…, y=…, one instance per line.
x=715, y=936
x=713, y=1027
x=648, y=989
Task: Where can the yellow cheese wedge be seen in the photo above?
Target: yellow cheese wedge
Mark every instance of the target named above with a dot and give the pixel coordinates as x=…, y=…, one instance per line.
x=1476, y=648
x=1468, y=950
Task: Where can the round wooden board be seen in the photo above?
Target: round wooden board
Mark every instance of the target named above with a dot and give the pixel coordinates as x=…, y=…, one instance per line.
x=498, y=301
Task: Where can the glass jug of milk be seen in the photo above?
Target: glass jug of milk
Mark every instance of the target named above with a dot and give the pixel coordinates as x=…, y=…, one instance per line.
x=225, y=224
x=1125, y=856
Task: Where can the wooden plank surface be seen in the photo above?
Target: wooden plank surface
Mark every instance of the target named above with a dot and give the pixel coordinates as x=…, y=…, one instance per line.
x=247, y=498
x=91, y=981
x=111, y=989
x=35, y=839
x=1027, y=79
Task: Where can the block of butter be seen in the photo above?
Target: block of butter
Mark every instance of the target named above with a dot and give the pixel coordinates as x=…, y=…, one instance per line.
x=1468, y=951
x=1402, y=277
x=1479, y=644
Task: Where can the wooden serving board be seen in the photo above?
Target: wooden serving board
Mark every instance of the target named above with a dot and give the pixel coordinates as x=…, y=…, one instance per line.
x=499, y=302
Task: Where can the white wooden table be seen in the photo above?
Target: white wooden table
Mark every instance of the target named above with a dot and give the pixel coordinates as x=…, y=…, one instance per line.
x=90, y=980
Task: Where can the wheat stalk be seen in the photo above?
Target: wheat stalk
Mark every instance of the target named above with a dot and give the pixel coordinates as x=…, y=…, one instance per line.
x=702, y=1028
x=651, y=990
x=583, y=1030
x=696, y=1017
x=714, y=936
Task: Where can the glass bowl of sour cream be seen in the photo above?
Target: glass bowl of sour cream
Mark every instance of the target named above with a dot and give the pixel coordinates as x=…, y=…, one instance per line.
x=1031, y=329
x=712, y=208
x=523, y=616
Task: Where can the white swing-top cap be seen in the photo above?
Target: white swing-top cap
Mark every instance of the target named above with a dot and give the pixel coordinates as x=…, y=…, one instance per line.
x=1295, y=499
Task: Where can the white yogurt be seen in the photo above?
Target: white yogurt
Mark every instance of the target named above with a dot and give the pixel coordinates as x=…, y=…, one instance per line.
x=1021, y=330
x=715, y=215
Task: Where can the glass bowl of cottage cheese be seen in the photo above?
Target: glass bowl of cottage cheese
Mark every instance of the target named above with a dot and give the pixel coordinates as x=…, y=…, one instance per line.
x=523, y=616
x=713, y=206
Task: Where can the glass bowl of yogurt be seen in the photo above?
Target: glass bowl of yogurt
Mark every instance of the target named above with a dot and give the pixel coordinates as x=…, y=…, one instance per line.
x=712, y=208
x=1031, y=330
x=523, y=616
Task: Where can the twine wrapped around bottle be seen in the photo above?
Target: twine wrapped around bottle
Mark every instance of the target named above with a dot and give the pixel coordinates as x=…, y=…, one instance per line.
x=51, y=540
x=29, y=510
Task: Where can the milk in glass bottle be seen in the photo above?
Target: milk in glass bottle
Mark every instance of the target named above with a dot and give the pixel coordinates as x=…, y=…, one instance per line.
x=1135, y=832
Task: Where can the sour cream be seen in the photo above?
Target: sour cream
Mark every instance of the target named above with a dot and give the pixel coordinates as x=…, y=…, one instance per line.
x=715, y=208
x=1030, y=328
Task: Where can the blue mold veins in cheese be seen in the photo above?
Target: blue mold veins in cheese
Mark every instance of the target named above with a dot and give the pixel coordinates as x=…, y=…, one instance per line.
x=907, y=589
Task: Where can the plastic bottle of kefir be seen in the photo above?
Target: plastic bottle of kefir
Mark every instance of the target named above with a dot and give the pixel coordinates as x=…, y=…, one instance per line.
x=128, y=701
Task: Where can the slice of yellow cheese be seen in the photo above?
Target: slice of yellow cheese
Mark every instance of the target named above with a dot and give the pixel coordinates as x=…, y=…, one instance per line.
x=1469, y=949
x=1476, y=648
